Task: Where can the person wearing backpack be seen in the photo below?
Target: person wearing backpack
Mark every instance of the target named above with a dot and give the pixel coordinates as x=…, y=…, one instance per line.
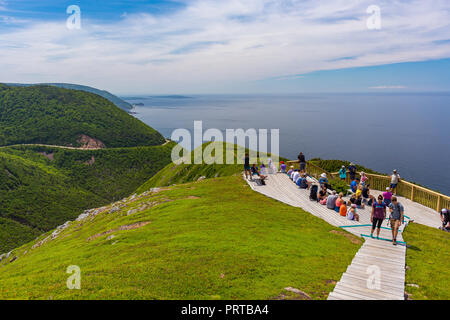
x=396, y=218
x=378, y=215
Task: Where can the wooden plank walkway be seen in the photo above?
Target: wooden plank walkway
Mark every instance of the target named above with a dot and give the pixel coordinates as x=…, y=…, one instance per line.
x=377, y=271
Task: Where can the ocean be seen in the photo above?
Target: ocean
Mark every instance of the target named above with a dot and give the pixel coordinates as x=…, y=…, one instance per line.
x=407, y=132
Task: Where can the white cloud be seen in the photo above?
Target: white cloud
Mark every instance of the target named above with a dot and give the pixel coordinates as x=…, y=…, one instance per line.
x=388, y=87
x=217, y=46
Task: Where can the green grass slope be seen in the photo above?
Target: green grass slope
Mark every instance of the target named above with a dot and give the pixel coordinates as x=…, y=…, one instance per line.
x=42, y=187
x=428, y=258
x=58, y=116
x=212, y=239
x=183, y=173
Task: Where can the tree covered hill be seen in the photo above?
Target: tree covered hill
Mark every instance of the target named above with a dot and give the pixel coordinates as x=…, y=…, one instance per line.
x=103, y=93
x=57, y=116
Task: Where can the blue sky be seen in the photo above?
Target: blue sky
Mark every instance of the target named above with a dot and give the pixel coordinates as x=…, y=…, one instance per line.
x=232, y=46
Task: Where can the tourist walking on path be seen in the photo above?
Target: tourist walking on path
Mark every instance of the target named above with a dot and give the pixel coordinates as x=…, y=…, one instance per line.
x=378, y=215
x=343, y=173
x=396, y=218
x=395, y=178
x=352, y=171
x=248, y=172
x=302, y=160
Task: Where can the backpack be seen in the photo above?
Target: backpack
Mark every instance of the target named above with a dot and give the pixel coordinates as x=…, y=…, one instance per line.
x=313, y=193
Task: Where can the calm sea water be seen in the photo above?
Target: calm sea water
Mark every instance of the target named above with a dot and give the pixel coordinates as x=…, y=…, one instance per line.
x=407, y=132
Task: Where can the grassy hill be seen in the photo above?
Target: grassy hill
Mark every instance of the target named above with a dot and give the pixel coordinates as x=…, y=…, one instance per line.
x=212, y=239
x=427, y=257
x=183, y=173
x=57, y=116
x=42, y=187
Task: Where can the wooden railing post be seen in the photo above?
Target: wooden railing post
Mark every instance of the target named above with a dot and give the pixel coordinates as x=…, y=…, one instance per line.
x=412, y=192
x=439, y=204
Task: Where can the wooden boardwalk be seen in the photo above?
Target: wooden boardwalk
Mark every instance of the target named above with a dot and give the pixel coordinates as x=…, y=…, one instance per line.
x=377, y=271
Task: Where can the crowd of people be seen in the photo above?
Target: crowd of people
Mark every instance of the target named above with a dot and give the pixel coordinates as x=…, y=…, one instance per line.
x=359, y=189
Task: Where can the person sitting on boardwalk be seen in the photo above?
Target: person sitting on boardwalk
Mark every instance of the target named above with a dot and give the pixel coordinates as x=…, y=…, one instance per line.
x=339, y=202
x=343, y=209
x=396, y=218
x=352, y=171
x=387, y=195
x=302, y=182
x=378, y=215
x=395, y=178
x=282, y=167
x=445, y=218
x=248, y=172
x=291, y=169
x=295, y=175
x=263, y=170
x=302, y=160
x=323, y=195
x=331, y=200
x=255, y=172
x=354, y=185
x=351, y=214
x=366, y=193
x=343, y=173
x=323, y=181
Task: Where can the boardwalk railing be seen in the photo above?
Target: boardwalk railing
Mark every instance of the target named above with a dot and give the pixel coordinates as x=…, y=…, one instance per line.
x=416, y=193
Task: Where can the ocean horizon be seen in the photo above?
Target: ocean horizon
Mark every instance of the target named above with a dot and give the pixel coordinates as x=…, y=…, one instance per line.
x=381, y=131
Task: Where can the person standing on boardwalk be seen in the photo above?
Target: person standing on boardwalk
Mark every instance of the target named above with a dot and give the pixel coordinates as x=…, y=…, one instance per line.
x=302, y=160
x=248, y=172
x=343, y=173
x=352, y=171
x=396, y=218
x=378, y=215
x=395, y=178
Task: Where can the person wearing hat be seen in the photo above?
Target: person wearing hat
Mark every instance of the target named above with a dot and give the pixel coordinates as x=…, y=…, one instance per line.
x=387, y=195
x=395, y=178
x=351, y=214
x=291, y=169
x=343, y=173
x=445, y=218
x=282, y=167
x=323, y=181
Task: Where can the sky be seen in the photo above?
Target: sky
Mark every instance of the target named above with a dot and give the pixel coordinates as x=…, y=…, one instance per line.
x=229, y=46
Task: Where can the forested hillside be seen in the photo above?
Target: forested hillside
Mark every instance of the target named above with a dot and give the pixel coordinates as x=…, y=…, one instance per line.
x=57, y=116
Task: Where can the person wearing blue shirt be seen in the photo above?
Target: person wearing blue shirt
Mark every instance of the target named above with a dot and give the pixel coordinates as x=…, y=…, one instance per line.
x=354, y=186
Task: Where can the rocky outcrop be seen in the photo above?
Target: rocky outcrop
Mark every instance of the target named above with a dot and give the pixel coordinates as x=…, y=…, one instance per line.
x=90, y=143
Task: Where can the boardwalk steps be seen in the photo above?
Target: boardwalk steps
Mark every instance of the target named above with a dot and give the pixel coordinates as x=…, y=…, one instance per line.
x=379, y=254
